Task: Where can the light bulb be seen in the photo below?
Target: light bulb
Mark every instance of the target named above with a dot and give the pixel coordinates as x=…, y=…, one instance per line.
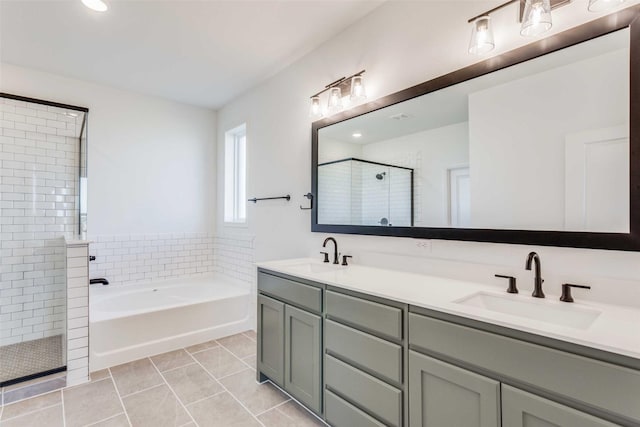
x=315, y=111
x=97, y=5
x=335, y=100
x=357, y=89
x=481, y=36
x=602, y=5
x=537, y=18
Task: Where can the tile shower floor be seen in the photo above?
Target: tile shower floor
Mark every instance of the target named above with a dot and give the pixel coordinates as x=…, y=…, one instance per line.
x=209, y=384
x=30, y=357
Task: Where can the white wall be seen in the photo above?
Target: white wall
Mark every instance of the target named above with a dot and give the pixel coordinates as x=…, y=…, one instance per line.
x=400, y=44
x=151, y=161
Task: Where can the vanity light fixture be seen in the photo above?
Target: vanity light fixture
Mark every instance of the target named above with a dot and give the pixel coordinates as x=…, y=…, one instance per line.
x=602, y=5
x=352, y=85
x=97, y=5
x=481, y=36
x=535, y=18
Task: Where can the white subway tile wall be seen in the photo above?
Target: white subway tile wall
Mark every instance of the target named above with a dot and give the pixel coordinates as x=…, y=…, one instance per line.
x=234, y=256
x=77, y=314
x=39, y=151
x=138, y=258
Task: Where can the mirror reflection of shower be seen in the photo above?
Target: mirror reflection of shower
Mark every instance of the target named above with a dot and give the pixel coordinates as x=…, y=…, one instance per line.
x=361, y=192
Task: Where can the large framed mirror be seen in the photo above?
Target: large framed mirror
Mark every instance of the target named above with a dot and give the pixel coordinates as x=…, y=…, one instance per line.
x=540, y=145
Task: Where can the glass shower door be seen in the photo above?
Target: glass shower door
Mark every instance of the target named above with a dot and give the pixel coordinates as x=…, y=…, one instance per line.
x=39, y=207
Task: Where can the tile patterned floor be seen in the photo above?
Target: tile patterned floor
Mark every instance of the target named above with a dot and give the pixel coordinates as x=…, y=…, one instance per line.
x=209, y=384
x=30, y=357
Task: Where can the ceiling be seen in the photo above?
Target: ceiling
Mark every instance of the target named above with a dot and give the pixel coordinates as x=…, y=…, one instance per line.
x=203, y=53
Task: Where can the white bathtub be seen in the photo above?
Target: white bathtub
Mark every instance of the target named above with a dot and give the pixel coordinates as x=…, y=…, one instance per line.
x=128, y=322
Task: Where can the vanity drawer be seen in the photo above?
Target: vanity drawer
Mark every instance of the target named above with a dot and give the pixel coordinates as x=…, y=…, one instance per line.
x=607, y=387
x=377, y=355
x=372, y=316
x=342, y=414
x=305, y=296
x=369, y=393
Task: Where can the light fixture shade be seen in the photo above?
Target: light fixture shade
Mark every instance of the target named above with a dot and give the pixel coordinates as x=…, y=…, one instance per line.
x=481, y=36
x=97, y=5
x=358, y=92
x=602, y=5
x=335, y=100
x=315, y=110
x=537, y=18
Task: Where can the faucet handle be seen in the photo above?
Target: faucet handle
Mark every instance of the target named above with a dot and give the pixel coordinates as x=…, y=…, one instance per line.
x=566, y=291
x=344, y=259
x=326, y=256
x=512, y=289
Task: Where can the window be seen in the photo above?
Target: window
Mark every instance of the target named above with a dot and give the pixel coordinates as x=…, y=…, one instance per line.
x=235, y=175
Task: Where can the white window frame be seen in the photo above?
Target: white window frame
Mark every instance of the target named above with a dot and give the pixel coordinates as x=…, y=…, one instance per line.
x=235, y=176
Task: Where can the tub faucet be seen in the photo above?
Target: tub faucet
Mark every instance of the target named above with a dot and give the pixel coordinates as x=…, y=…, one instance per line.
x=335, y=248
x=538, y=281
x=100, y=280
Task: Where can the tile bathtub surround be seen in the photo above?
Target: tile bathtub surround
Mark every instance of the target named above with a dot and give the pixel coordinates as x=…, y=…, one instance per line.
x=39, y=154
x=170, y=389
x=138, y=258
x=133, y=258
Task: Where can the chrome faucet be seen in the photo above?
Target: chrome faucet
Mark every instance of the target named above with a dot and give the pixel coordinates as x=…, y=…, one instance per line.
x=335, y=248
x=538, y=281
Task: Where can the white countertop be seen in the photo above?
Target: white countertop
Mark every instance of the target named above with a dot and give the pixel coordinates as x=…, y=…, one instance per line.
x=616, y=329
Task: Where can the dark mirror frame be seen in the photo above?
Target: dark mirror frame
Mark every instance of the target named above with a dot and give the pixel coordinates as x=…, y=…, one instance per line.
x=627, y=18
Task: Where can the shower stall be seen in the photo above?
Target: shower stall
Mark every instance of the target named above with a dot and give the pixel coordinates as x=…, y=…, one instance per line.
x=43, y=151
x=361, y=192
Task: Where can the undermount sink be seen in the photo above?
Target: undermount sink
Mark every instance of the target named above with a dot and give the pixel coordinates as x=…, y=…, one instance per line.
x=561, y=314
x=309, y=267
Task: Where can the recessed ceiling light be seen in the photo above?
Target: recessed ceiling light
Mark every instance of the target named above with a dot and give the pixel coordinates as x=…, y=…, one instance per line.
x=97, y=5
x=357, y=135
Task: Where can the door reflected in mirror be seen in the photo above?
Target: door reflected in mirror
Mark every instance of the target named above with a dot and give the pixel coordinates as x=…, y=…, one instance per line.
x=541, y=145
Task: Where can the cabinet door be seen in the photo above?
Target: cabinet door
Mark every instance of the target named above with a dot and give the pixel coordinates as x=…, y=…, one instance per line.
x=441, y=394
x=271, y=339
x=522, y=409
x=302, y=360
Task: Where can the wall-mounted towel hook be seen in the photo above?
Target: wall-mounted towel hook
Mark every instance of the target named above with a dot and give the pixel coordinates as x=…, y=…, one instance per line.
x=310, y=197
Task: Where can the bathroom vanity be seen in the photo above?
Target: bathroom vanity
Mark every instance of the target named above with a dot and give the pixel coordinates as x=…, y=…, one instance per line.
x=362, y=346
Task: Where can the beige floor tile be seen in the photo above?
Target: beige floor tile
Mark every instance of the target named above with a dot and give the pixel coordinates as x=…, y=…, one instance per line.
x=290, y=414
x=221, y=410
x=240, y=345
x=255, y=397
x=32, y=404
x=90, y=403
x=135, y=376
x=49, y=417
x=155, y=407
x=34, y=389
x=251, y=361
x=171, y=360
x=117, y=421
x=202, y=346
x=251, y=334
x=219, y=362
x=192, y=383
x=99, y=375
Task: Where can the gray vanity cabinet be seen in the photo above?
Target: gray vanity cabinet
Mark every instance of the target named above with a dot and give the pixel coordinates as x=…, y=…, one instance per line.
x=522, y=409
x=302, y=353
x=290, y=336
x=271, y=333
x=441, y=394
